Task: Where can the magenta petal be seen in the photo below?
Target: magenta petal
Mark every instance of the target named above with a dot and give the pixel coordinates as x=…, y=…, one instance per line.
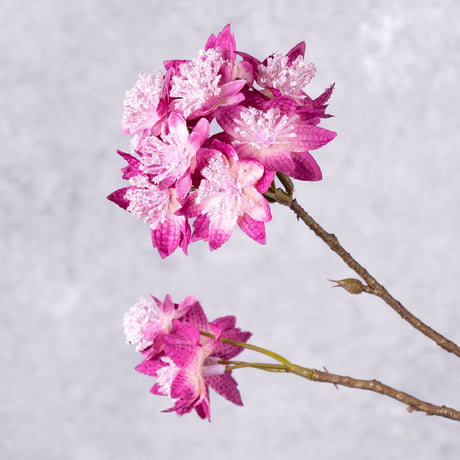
x=186, y=304
x=243, y=70
x=232, y=88
x=185, y=237
x=179, y=350
x=226, y=386
x=150, y=366
x=189, y=207
x=223, y=147
x=295, y=52
x=254, y=62
x=230, y=351
x=196, y=317
x=261, y=209
x=166, y=238
x=226, y=351
x=311, y=137
x=211, y=43
x=306, y=167
x=226, y=42
x=180, y=388
x=201, y=228
x=183, y=332
x=225, y=322
x=167, y=306
x=118, y=197
x=226, y=117
x=324, y=97
x=275, y=161
x=220, y=230
x=284, y=103
x=203, y=410
x=174, y=65
x=264, y=183
x=200, y=133
x=253, y=228
x=183, y=185
x=133, y=165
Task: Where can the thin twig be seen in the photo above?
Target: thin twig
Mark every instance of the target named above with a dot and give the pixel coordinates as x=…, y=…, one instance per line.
x=373, y=286
x=413, y=403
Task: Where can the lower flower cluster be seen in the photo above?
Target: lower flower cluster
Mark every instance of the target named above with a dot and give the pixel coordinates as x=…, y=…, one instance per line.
x=184, y=351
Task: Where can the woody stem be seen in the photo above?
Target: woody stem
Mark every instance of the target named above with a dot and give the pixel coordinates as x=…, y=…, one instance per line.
x=373, y=286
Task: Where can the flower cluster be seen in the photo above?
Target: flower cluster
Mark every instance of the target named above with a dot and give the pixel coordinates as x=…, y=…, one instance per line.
x=177, y=171
x=184, y=361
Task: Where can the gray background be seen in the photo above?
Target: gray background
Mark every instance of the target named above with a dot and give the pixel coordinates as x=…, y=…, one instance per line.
x=72, y=263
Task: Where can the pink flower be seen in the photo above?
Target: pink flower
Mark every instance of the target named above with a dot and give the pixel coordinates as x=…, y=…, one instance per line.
x=211, y=80
x=145, y=322
x=176, y=171
x=283, y=75
x=190, y=363
x=230, y=193
x=171, y=159
x=145, y=104
x=225, y=42
x=315, y=108
x=199, y=88
x=276, y=135
x=145, y=200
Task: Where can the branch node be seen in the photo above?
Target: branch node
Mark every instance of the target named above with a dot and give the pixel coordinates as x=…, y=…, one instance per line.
x=351, y=285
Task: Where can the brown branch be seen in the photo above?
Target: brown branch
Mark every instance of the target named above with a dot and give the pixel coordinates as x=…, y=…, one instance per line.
x=414, y=404
x=373, y=286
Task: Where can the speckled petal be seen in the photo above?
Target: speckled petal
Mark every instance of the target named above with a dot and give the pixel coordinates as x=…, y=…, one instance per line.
x=306, y=167
x=253, y=228
x=226, y=386
x=220, y=230
x=118, y=197
x=166, y=237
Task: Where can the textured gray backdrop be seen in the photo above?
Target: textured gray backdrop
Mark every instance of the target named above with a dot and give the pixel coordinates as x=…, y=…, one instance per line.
x=72, y=262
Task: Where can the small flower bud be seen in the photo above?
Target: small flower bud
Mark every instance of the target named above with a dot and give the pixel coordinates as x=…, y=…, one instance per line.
x=352, y=285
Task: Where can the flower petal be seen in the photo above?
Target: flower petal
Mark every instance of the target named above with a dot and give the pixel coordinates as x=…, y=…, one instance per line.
x=253, y=228
x=306, y=167
x=226, y=386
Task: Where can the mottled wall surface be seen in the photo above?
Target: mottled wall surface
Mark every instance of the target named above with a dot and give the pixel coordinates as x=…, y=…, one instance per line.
x=72, y=262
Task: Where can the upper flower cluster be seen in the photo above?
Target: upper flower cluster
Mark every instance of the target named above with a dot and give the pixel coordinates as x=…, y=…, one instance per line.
x=184, y=361
x=177, y=171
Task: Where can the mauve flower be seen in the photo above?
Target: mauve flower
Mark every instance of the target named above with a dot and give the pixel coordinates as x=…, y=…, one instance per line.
x=173, y=177
x=171, y=158
x=187, y=368
x=145, y=104
x=275, y=135
x=313, y=109
x=145, y=200
x=145, y=322
x=188, y=363
x=199, y=88
x=225, y=43
x=282, y=75
x=211, y=80
x=230, y=193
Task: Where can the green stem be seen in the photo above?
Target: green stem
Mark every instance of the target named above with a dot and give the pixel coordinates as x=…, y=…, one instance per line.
x=273, y=355
x=231, y=365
